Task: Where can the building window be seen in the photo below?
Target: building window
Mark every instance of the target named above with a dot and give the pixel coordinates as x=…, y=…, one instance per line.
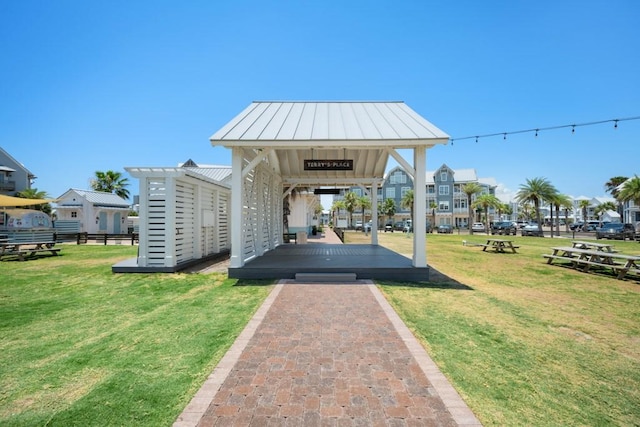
x=74, y=214
x=357, y=191
x=391, y=192
x=443, y=190
x=443, y=206
x=431, y=189
x=444, y=176
x=460, y=204
x=398, y=177
x=403, y=191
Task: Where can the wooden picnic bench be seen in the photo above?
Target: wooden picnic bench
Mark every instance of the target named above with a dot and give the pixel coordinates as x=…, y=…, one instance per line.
x=584, y=259
x=593, y=245
x=499, y=245
x=26, y=249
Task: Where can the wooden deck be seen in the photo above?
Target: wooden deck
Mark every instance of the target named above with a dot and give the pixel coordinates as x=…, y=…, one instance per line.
x=365, y=261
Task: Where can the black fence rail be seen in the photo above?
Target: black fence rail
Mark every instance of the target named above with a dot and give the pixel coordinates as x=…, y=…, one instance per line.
x=84, y=238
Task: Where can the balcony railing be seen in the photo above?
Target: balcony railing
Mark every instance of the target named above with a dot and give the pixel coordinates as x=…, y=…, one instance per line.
x=8, y=186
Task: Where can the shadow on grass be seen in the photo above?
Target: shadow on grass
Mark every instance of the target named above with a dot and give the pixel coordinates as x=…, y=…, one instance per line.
x=437, y=280
x=255, y=282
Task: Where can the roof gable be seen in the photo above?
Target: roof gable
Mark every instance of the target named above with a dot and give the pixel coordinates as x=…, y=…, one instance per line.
x=97, y=198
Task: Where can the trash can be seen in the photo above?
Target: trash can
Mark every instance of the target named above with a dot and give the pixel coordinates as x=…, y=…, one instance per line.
x=301, y=237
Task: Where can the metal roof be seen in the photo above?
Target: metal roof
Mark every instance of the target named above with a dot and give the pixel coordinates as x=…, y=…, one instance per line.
x=97, y=198
x=297, y=131
x=219, y=175
x=328, y=121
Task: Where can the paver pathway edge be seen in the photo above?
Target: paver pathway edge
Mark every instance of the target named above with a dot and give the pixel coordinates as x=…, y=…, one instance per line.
x=196, y=408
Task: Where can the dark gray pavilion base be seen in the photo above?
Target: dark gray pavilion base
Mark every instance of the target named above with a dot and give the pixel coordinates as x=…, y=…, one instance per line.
x=366, y=261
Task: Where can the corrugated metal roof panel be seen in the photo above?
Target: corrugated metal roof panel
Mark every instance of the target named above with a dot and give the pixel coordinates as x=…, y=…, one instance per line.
x=101, y=198
x=322, y=121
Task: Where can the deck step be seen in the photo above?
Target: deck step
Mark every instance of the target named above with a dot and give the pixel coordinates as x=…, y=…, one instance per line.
x=326, y=277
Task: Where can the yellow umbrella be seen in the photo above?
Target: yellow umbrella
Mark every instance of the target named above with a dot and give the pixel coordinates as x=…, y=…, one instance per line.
x=8, y=201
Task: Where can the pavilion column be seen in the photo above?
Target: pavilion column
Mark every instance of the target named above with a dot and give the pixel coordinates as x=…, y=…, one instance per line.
x=374, y=213
x=419, y=206
x=237, y=191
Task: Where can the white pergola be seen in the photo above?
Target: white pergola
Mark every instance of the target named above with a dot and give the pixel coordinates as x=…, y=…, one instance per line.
x=278, y=146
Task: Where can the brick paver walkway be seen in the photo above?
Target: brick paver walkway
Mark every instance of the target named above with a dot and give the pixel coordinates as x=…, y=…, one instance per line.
x=326, y=355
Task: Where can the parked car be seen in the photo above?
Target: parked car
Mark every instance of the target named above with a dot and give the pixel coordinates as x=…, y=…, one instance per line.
x=477, y=226
x=503, y=227
x=358, y=225
x=576, y=226
x=388, y=227
x=445, y=228
x=398, y=226
x=531, y=230
x=616, y=230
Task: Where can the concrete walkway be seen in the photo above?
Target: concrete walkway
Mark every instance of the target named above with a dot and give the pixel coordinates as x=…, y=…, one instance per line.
x=326, y=355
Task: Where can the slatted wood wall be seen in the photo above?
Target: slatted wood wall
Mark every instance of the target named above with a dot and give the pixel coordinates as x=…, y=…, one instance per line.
x=155, y=232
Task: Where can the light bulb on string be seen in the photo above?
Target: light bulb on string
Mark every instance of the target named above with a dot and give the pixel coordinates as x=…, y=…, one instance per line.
x=536, y=133
x=504, y=136
x=615, y=126
x=573, y=129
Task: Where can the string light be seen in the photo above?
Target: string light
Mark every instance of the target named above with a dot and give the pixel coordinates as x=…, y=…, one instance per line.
x=537, y=130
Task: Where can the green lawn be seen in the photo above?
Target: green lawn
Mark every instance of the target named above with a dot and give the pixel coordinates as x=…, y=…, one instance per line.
x=81, y=346
x=525, y=343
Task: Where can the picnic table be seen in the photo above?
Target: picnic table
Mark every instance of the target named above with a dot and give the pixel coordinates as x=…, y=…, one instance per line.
x=499, y=245
x=593, y=245
x=22, y=249
x=584, y=259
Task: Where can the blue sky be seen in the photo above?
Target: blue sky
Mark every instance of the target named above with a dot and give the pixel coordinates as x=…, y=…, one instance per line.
x=91, y=86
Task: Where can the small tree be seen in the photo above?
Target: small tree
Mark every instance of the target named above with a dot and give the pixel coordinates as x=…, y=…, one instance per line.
x=630, y=191
x=350, y=204
x=389, y=208
x=110, y=182
x=486, y=201
x=407, y=203
x=470, y=189
x=536, y=190
x=35, y=194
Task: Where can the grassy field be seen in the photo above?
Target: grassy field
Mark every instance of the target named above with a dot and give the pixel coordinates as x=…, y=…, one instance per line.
x=80, y=346
x=526, y=343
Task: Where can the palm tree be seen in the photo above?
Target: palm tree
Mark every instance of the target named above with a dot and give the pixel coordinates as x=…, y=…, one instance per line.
x=33, y=193
x=630, y=191
x=389, y=208
x=562, y=201
x=350, y=204
x=336, y=207
x=364, y=203
x=584, y=205
x=536, y=190
x=567, y=205
x=433, y=206
x=111, y=182
x=486, y=201
x=526, y=211
x=612, y=188
x=470, y=189
x=407, y=203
